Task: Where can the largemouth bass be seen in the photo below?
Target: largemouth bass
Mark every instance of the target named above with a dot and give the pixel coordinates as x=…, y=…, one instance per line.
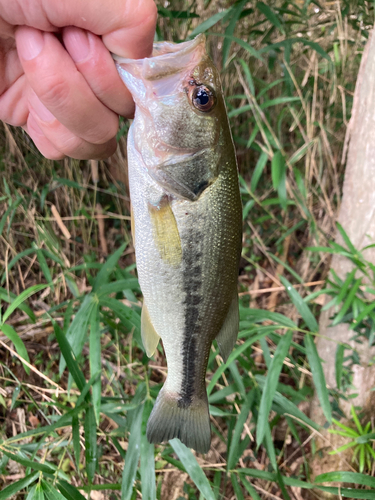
x=187, y=227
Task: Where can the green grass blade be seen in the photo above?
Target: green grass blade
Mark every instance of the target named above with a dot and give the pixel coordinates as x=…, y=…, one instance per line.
x=301, y=306
x=14, y=488
x=107, y=268
x=69, y=491
x=95, y=360
x=21, y=298
x=348, y=302
x=132, y=455
x=346, y=477
x=77, y=331
x=91, y=452
x=18, y=344
x=44, y=267
x=206, y=25
x=235, y=14
x=147, y=468
x=270, y=386
x=236, y=487
x=69, y=358
x=238, y=429
x=259, y=168
x=76, y=441
x=250, y=488
x=17, y=457
x=270, y=15
x=318, y=376
x=192, y=467
x=339, y=366
x=36, y=493
x=50, y=492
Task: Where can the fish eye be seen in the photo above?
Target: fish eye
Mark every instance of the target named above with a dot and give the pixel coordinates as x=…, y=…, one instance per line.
x=203, y=98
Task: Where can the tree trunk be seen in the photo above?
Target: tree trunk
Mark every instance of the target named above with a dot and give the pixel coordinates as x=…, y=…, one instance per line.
x=357, y=216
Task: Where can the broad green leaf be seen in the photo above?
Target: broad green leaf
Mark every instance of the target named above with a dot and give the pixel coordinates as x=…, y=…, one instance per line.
x=315, y=46
x=14, y=488
x=301, y=306
x=91, y=452
x=118, y=286
x=270, y=386
x=147, y=468
x=95, y=360
x=132, y=455
x=18, y=344
x=192, y=467
x=21, y=298
x=318, y=376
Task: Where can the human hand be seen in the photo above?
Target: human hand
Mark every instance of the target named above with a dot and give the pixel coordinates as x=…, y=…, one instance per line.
x=64, y=90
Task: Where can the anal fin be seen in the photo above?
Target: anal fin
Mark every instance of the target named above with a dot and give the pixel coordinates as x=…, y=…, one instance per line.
x=150, y=338
x=227, y=336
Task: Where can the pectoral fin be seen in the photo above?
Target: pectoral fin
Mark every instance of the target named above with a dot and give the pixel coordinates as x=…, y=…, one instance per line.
x=165, y=233
x=227, y=336
x=150, y=338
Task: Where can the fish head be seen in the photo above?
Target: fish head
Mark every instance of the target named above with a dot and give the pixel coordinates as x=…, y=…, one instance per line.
x=178, y=94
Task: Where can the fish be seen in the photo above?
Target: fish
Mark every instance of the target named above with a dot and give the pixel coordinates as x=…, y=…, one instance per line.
x=186, y=226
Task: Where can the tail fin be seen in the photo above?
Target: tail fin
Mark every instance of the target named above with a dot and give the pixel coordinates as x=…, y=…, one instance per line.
x=190, y=423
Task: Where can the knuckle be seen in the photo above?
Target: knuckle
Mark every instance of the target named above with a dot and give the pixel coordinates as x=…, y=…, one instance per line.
x=54, y=92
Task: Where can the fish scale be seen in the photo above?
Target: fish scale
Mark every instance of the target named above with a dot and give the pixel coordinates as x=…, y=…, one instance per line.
x=187, y=217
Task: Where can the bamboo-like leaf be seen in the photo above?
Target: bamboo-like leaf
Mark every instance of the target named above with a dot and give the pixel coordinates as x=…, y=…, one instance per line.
x=301, y=306
x=132, y=455
x=77, y=332
x=346, y=477
x=18, y=344
x=147, y=468
x=318, y=376
x=107, y=268
x=235, y=14
x=21, y=298
x=19, y=458
x=206, y=25
x=91, y=452
x=14, y=488
x=50, y=492
x=236, y=487
x=250, y=488
x=69, y=491
x=270, y=386
x=95, y=360
x=259, y=167
x=192, y=467
x=270, y=15
x=339, y=363
x=69, y=358
x=238, y=429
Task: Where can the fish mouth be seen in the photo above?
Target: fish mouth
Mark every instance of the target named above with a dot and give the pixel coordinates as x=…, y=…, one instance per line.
x=166, y=59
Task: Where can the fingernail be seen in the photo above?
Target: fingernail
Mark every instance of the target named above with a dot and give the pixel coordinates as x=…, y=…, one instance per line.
x=30, y=43
x=77, y=43
x=40, y=110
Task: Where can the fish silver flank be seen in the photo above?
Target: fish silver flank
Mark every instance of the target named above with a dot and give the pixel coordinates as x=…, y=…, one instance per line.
x=187, y=226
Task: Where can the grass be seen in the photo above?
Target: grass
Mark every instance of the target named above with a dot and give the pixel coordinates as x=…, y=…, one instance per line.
x=76, y=387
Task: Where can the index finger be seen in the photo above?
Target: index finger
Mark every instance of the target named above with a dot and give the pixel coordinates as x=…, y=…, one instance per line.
x=127, y=26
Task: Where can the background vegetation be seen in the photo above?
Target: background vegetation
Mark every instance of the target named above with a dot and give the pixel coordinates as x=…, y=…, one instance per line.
x=76, y=387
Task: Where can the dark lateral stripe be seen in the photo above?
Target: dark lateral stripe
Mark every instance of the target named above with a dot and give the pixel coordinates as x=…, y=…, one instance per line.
x=192, y=284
